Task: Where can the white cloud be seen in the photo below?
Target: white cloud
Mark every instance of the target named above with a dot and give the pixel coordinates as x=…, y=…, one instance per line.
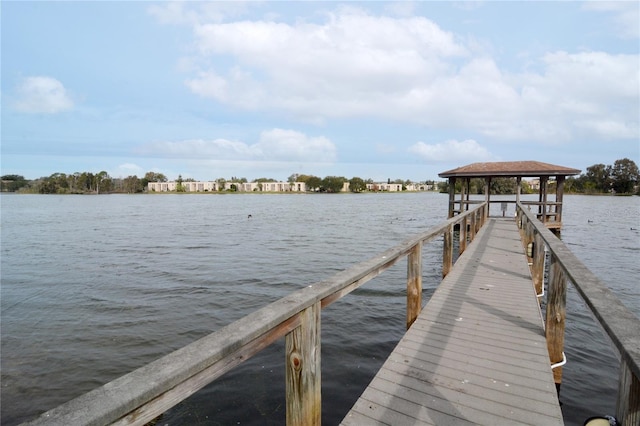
x=42, y=94
x=276, y=145
x=578, y=90
x=290, y=145
x=128, y=169
x=451, y=151
x=408, y=69
x=349, y=65
x=625, y=15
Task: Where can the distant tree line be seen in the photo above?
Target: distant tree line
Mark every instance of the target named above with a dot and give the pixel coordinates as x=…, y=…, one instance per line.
x=102, y=183
x=622, y=177
x=79, y=183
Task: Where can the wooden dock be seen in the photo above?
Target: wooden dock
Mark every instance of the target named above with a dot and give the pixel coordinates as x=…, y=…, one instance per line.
x=476, y=354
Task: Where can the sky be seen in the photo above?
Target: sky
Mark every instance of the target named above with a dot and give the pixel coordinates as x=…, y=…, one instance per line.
x=377, y=90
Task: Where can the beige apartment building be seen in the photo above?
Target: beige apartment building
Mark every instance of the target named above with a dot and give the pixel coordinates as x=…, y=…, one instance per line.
x=212, y=186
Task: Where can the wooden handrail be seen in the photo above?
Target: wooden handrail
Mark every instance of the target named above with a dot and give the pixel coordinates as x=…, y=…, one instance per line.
x=142, y=395
x=619, y=323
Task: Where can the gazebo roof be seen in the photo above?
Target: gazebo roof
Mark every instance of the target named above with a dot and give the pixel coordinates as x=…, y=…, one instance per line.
x=510, y=169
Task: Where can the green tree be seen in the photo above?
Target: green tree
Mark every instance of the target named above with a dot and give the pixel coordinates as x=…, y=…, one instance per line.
x=12, y=183
x=526, y=188
x=503, y=185
x=132, y=184
x=152, y=177
x=357, y=184
x=600, y=177
x=179, y=185
x=624, y=176
x=84, y=182
x=333, y=183
x=312, y=183
x=102, y=182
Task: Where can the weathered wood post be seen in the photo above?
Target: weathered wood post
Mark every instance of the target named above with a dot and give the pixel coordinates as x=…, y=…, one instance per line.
x=556, y=316
x=542, y=208
x=537, y=269
x=473, y=227
x=414, y=283
x=447, y=251
x=628, y=406
x=463, y=234
x=487, y=196
x=303, y=397
x=452, y=196
x=463, y=189
x=559, y=192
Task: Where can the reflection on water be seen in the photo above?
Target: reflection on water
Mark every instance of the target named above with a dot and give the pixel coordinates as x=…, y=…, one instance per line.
x=94, y=287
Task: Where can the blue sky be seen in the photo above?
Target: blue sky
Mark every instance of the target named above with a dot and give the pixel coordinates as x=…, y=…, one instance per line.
x=267, y=89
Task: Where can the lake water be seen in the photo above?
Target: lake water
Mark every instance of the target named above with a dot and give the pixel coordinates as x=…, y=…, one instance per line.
x=93, y=287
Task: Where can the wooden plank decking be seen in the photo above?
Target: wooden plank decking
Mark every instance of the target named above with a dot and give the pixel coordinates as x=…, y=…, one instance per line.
x=476, y=354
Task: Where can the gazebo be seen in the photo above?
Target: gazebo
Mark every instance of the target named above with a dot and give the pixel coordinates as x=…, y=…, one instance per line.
x=549, y=212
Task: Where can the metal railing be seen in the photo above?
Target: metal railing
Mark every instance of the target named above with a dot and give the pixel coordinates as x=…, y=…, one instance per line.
x=142, y=395
x=619, y=323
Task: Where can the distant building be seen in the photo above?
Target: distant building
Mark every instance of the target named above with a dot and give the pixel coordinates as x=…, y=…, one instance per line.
x=212, y=186
x=534, y=184
x=397, y=187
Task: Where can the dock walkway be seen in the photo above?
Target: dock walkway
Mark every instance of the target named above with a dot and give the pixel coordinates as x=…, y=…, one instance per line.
x=477, y=353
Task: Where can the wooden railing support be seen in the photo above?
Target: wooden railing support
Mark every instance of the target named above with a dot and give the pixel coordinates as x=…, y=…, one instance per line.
x=628, y=406
x=556, y=315
x=414, y=283
x=144, y=394
x=463, y=234
x=537, y=268
x=473, y=227
x=303, y=397
x=617, y=321
x=447, y=251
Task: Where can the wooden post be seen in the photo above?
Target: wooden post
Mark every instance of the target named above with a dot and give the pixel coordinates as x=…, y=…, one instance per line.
x=303, y=397
x=463, y=189
x=414, y=283
x=447, y=251
x=559, y=191
x=463, y=234
x=537, y=269
x=473, y=226
x=487, y=196
x=556, y=315
x=542, y=209
x=628, y=406
x=468, y=192
x=452, y=196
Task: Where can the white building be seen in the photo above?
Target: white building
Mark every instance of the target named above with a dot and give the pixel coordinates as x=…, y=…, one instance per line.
x=212, y=186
